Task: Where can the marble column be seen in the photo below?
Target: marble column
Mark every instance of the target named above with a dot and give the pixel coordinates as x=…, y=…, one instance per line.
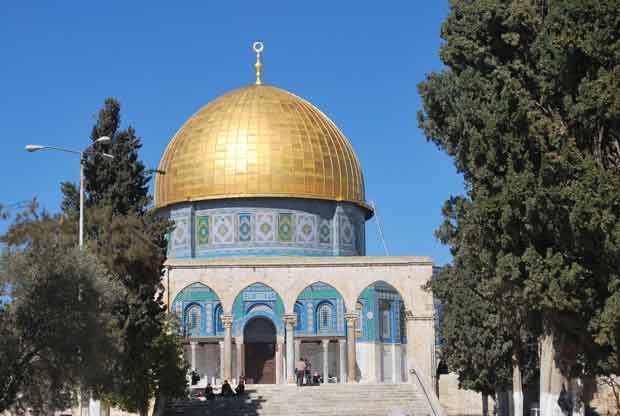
x=297, y=349
x=394, y=372
x=193, y=345
x=325, y=344
x=221, y=375
x=290, y=320
x=342, y=373
x=227, y=320
x=240, y=358
x=279, y=361
x=351, y=354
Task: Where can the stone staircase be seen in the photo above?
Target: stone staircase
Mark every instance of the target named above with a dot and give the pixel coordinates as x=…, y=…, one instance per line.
x=325, y=400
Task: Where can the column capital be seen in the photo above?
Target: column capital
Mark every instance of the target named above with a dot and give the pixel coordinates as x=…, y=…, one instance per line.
x=227, y=320
x=290, y=319
x=297, y=341
x=325, y=342
x=221, y=344
x=351, y=318
x=342, y=341
x=193, y=343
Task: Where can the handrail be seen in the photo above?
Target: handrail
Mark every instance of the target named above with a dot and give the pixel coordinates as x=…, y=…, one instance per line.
x=432, y=399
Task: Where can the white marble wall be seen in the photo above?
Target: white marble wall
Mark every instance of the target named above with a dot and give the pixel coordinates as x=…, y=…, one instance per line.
x=381, y=363
x=313, y=352
x=207, y=359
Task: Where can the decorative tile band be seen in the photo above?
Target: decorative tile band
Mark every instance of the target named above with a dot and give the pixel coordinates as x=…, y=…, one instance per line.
x=321, y=228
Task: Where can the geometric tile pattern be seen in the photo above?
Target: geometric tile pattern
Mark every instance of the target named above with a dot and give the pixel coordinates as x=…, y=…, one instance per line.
x=306, y=228
x=265, y=230
x=244, y=224
x=325, y=231
x=202, y=230
x=285, y=227
x=347, y=234
x=223, y=229
x=179, y=236
x=265, y=227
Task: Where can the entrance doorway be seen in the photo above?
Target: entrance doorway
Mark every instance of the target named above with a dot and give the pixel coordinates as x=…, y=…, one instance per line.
x=259, y=337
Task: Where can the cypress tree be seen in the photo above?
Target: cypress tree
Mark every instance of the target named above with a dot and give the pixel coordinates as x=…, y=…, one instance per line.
x=528, y=108
x=130, y=240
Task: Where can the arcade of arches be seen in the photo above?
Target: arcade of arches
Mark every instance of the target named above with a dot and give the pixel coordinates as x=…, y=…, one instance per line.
x=253, y=318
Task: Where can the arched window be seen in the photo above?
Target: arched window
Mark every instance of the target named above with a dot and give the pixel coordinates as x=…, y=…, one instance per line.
x=299, y=312
x=219, y=325
x=324, y=317
x=384, y=313
x=192, y=319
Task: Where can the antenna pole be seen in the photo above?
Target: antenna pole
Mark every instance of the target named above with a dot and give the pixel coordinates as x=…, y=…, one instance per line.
x=385, y=247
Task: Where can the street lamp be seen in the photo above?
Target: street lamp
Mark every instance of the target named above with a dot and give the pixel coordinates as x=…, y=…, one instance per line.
x=103, y=139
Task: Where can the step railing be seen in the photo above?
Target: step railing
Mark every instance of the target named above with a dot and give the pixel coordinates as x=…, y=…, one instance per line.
x=431, y=398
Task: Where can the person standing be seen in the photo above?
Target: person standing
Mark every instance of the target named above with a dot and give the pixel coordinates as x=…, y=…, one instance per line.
x=300, y=369
x=308, y=377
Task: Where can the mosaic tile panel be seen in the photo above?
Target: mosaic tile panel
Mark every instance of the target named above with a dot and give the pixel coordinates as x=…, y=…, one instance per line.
x=244, y=227
x=347, y=232
x=285, y=227
x=202, y=230
x=223, y=229
x=325, y=231
x=180, y=233
x=265, y=227
x=264, y=230
x=305, y=231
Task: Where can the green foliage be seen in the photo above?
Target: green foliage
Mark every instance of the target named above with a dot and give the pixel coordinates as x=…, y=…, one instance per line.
x=120, y=183
x=474, y=341
x=130, y=241
x=528, y=108
x=57, y=331
x=127, y=354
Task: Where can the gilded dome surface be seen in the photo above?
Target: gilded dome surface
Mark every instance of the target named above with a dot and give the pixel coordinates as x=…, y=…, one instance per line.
x=259, y=141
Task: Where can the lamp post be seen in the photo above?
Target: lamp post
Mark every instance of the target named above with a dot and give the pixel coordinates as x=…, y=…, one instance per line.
x=103, y=139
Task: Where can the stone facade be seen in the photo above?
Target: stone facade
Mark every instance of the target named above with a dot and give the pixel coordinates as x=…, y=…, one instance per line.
x=384, y=294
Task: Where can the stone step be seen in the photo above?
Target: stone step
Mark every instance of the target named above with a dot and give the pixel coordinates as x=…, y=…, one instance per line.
x=324, y=400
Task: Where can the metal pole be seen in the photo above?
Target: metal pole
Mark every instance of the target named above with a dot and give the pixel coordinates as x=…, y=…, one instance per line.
x=81, y=200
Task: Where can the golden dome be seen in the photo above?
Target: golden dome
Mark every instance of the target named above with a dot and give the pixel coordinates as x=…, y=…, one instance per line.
x=259, y=141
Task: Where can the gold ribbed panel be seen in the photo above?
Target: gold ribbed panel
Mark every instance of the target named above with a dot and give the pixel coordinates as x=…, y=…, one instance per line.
x=259, y=141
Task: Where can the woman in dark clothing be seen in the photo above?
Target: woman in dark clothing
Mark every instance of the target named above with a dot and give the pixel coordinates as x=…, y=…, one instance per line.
x=227, y=391
x=209, y=392
x=240, y=387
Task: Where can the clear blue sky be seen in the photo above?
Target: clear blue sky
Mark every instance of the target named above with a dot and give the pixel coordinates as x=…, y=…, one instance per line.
x=359, y=62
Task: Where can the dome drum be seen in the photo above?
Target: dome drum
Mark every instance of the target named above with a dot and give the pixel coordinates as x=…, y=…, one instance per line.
x=266, y=226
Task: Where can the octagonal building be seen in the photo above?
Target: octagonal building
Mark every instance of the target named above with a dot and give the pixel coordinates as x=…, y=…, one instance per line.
x=267, y=262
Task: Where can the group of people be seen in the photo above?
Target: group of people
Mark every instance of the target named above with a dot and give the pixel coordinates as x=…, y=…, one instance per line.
x=226, y=391
x=303, y=371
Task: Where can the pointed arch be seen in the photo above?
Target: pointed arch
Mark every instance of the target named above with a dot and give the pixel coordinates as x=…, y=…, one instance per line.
x=322, y=308
x=194, y=305
x=257, y=300
x=381, y=309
